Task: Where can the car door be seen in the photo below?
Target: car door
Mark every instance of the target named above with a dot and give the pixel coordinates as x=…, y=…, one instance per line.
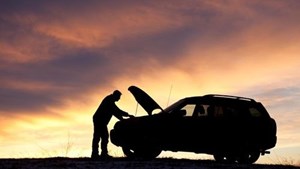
x=196, y=126
x=233, y=125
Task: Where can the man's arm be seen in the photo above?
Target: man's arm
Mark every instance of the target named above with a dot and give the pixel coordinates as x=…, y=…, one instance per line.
x=118, y=113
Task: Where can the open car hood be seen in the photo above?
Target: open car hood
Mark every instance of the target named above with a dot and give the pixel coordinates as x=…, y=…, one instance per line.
x=144, y=99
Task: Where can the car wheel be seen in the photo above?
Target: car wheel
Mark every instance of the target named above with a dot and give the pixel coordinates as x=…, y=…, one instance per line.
x=141, y=152
x=129, y=152
x=249, y=158
x=221, y=158
x=149, y=153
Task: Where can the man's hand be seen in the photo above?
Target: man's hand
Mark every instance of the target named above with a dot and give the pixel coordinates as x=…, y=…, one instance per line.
x=129, y=115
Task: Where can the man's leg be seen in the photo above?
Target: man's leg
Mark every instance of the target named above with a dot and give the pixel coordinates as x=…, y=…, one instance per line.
x=95, y=143
x=104, y=141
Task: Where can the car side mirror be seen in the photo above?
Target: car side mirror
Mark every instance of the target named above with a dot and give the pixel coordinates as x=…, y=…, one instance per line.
x=182, y=113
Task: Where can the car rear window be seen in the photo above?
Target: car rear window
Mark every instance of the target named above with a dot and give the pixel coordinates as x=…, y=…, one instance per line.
x=254, y=112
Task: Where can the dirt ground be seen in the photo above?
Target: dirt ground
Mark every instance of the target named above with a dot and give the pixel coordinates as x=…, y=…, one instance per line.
x=123, y=163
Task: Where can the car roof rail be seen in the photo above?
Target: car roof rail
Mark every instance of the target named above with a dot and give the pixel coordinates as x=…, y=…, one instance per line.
x=230, y=96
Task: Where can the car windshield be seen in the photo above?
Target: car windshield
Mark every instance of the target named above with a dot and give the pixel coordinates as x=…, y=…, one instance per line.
x=172, y=107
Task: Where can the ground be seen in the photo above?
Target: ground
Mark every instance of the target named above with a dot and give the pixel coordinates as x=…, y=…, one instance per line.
x=123, y=163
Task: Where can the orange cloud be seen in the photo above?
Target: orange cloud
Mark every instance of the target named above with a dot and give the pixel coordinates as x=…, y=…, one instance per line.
x=59, y=60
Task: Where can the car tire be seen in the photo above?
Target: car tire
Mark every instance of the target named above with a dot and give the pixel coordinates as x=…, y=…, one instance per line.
x=219, y=158
x=249, y=158
x=129, y=153
x=222, y=158
x=141, y=153
x=149, y=153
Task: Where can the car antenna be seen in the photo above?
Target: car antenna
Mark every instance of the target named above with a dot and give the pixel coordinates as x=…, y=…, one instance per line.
x=169, y=95
x=136, y=109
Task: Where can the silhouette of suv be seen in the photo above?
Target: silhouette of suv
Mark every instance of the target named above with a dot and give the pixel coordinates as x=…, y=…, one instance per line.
x=231, y=128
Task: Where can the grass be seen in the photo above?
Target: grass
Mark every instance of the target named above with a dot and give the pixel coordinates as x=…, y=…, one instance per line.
x=286, y=161
x=125, y=163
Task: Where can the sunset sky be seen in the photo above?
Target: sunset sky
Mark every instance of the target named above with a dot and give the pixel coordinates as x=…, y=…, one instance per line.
x=59, y=59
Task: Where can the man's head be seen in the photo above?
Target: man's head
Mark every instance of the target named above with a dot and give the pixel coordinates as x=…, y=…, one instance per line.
x=117, y=95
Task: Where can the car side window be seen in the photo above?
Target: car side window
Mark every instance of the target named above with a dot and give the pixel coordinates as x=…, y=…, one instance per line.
x=195, y=110
x=232, y=111
x=223, y=111
x=219, y=111
x=189, y=108
x=215, y=111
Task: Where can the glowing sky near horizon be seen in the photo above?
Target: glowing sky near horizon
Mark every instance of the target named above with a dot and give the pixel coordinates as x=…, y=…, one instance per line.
x=58, y=59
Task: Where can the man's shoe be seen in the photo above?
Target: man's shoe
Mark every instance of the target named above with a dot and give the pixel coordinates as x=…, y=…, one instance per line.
x=105, y=157
x=95, y=157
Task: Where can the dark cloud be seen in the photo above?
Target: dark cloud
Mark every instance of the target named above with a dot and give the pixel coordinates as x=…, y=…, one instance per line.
x=286, y=98
x=279, y=100
x=70, y=69
x=68, y=76
x=13, y=101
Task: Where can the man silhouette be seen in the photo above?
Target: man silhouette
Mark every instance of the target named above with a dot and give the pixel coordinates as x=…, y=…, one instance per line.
x=101, y=118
